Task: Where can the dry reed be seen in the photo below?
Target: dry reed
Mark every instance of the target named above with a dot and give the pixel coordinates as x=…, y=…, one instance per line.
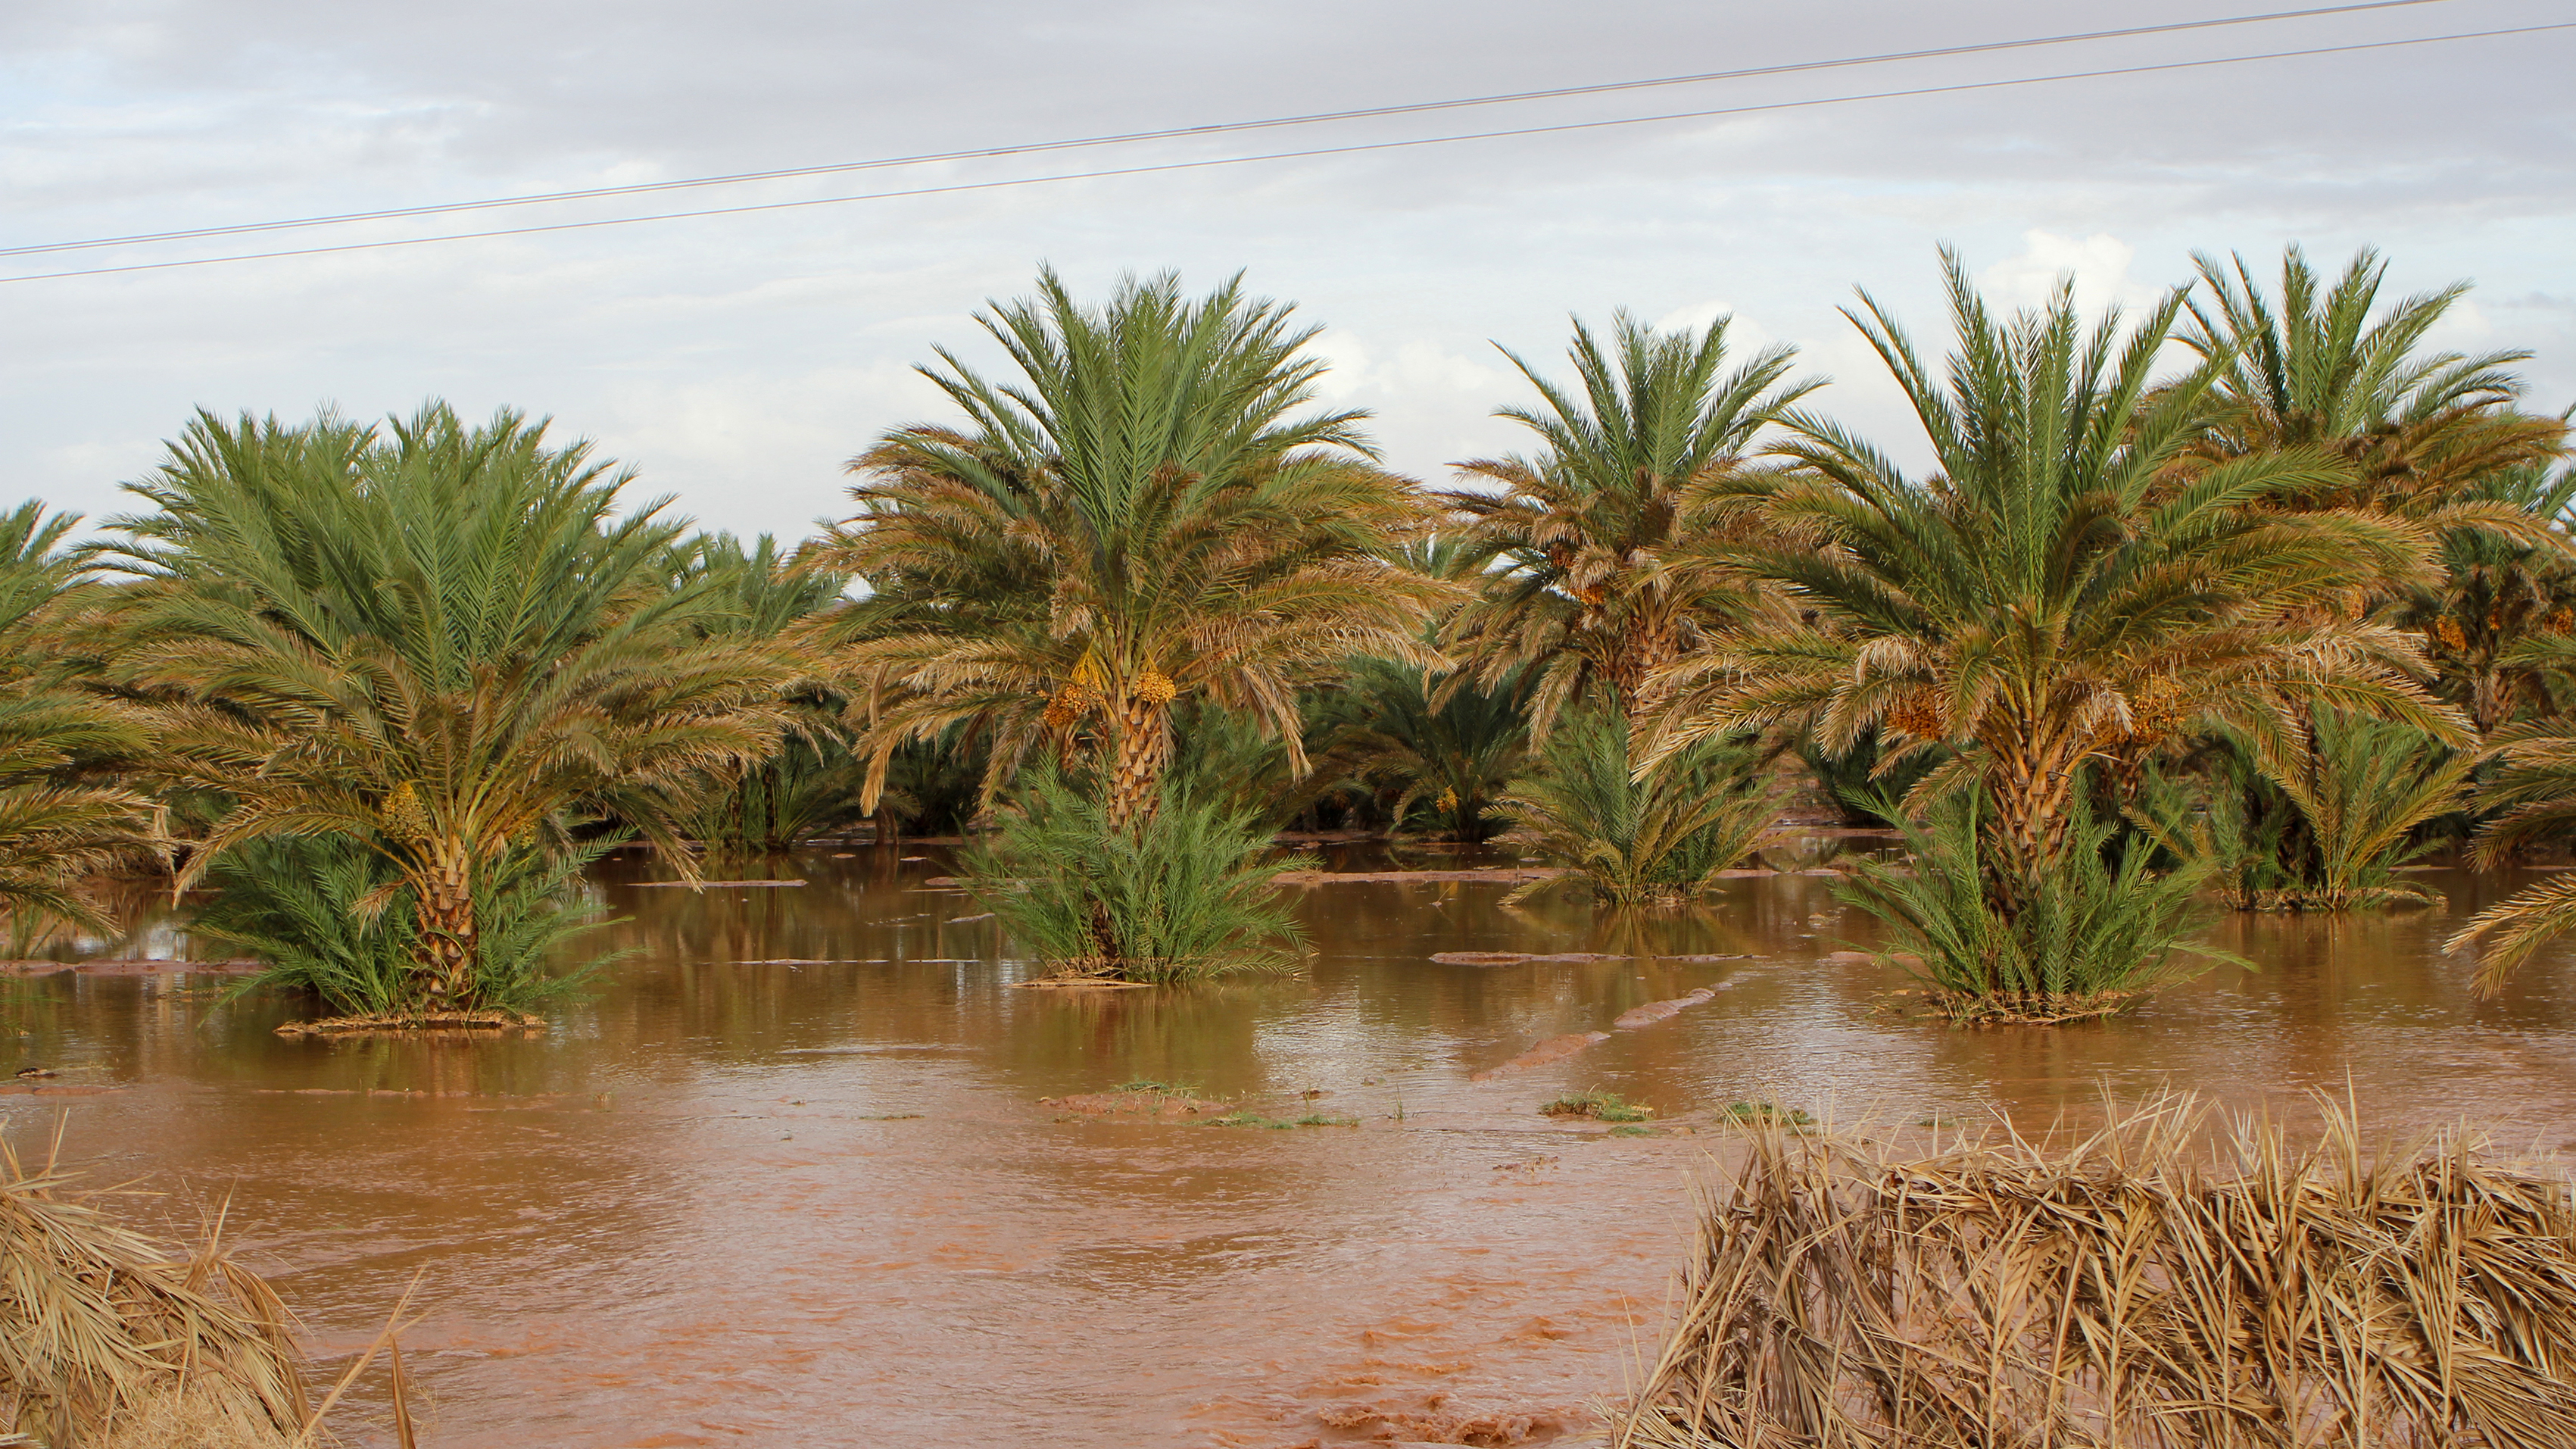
x=110, y=1337
x=2148, y=1286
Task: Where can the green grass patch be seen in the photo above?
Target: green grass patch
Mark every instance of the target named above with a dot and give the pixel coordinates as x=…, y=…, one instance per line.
x=1167, y=1089
x=1599, y=1106
x=1634, y=1131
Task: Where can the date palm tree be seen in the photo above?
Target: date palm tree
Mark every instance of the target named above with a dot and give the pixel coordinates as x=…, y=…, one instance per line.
x=2325, y=367
x=2497, y=588
x=2066, y=589
x=1142, y=516
x=2532, y=798
x=63, y=816
x=1581, y=594
x=445, y=642
x=811, y=784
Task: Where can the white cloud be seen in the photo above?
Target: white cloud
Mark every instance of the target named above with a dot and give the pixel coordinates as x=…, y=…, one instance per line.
x=2098, y=263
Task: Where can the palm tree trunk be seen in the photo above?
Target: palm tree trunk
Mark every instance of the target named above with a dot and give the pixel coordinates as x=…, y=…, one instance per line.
x=447, y=927
x=1143, y=749
x=2033, y=793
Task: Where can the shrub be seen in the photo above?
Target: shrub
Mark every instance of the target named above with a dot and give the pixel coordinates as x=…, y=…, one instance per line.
x=1186, y=893
x=1435, y=759
x=2084, y=938
x=2324, y=829
x=1661, y=838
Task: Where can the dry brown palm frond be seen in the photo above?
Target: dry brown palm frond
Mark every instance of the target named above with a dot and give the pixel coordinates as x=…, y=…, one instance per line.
x=103, y=1327
x=2129, y=1287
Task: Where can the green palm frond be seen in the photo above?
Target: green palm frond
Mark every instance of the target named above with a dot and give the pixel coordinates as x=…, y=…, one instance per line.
x=2071, y=588
x=1575, y=543
x=1634, y=838
x=1189, y=894
x=1146, y=513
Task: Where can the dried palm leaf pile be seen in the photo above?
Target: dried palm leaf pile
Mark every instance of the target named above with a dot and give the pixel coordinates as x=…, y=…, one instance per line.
x=111, y=1338
x=2152, y=1285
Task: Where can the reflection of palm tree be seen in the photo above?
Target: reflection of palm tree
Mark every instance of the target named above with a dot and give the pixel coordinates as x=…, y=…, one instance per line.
x=443, y=643
x=2063, y=590
x=1137, y=519
x=1582, y=533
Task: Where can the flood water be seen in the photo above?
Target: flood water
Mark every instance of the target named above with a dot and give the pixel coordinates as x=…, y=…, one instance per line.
x=786, y=1177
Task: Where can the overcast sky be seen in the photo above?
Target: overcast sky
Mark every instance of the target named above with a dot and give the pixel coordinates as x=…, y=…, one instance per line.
x=737, y=361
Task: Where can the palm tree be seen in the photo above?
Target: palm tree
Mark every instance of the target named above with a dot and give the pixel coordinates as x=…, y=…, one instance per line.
x=62, y=819
x=2533, y=798
x=2497, y=588
x=2061, y=592
x=444, y=643
x=2316, y=370
x=1581, y=593
x=1446, y=754
x=1141, y=517
x=812, y=783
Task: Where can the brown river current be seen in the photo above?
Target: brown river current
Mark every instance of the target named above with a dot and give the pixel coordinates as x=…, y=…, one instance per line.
x=786, y=1177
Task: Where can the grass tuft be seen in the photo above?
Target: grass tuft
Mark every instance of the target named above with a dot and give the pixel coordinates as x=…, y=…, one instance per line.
x=1599, y=1106
x=1769, y=1113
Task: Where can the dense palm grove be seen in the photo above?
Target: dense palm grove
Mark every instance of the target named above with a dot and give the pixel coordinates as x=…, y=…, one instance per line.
x=2245, y=601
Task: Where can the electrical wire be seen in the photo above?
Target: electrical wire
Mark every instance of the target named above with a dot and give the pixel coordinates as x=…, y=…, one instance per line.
x=1356, y=148
x=1181, y=132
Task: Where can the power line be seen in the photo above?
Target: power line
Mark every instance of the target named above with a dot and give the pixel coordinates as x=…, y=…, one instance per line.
x=1181, y=132
x=1311, y=153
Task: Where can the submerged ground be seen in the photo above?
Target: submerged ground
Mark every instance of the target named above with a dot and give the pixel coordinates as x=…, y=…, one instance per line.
x=789, y=1175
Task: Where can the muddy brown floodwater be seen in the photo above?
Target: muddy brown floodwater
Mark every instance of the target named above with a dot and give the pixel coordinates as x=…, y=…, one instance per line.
x=788, y=1175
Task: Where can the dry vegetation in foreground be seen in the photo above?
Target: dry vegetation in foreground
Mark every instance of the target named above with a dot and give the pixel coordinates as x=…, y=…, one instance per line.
x=113, y=1339
x=2129, y=1288
x=107, y=1337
